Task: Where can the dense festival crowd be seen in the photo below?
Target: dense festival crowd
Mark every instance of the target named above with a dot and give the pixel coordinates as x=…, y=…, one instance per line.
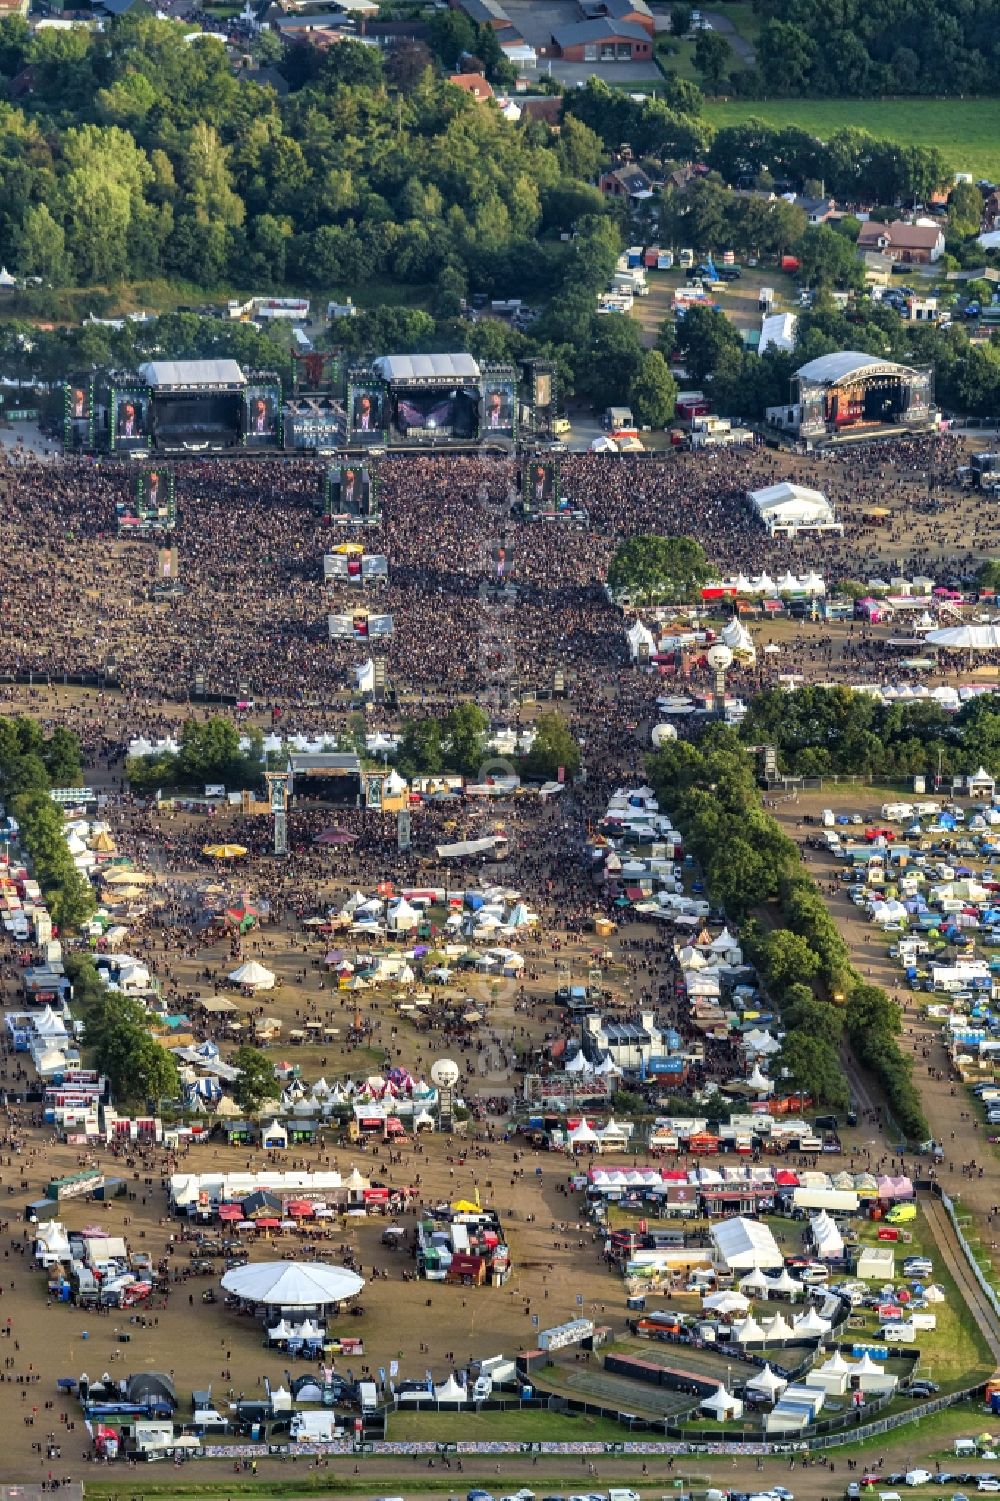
x=252, y=608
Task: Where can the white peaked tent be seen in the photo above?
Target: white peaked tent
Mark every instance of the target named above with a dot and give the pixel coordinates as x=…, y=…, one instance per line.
x=402, y=917
x=451, y=1391
x=760, y=1042
x=827, y=1238
x=754, y=1282
x=767, y=1385
x=739, y=640
x=582, y=1135
x=811, y=1325
x=364, y=677
x=281, y=1399
x=253, y=975
x=722, y=1405
x=281, y=1330
x=784, y=1284
x=749, y=1332
x=759, y=1082
x=639, y=638
x=394, y=783
x=777, y=1328
x=726, y=1301
x=831, y=1377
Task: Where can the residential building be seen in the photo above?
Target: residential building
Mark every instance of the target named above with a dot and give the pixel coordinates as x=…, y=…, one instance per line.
x=473, y=83
x=629, y=182
x=920, y=244
x=816, y=210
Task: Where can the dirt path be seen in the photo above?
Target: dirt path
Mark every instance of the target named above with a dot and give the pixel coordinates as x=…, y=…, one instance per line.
x=957, y=1264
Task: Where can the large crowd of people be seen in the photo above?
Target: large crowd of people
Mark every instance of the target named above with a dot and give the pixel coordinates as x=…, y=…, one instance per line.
x=251, y=608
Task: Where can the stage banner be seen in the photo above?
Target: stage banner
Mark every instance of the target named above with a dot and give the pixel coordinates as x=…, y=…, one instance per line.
x=262, y=415
x=78, y=412
x=540, y=485
x=152, y=505
x=128, y=419
x=499, y=406
x=351, y=492
x=367, y=409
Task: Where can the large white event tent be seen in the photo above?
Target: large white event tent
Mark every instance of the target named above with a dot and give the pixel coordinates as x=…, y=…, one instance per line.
x=965, y=638
x=292, y=1284
x=792, y=508
x=742, y=1244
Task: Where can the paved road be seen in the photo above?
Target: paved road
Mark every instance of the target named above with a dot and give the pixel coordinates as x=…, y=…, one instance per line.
x=724, y=26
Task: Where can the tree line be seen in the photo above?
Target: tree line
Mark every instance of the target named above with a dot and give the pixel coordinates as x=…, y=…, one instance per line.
x=755, y=872
x=31, y=763
x=825, y=731
x=868, y=50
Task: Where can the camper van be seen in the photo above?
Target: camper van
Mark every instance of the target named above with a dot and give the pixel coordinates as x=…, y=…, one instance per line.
x=898, y=1334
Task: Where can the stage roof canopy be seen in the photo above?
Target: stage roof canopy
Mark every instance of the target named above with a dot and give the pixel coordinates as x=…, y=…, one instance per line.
x=406, y=368
x=831, y=368
x=192, y=374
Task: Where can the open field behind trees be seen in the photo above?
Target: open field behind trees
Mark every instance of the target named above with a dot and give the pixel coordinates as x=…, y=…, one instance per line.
x=966, y=130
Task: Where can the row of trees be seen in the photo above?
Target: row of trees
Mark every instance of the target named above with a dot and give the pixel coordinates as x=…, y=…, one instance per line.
x=749, y=864
x=209, y=751
x=457, y=743
x=868, y=50
x=116, y=1032
x=30, y=761
x=820, y=731
x=68, y=894
x=851, y=163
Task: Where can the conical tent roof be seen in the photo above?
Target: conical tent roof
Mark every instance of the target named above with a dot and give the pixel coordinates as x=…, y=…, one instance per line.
x=778, y=1327
x=253, y=974
x=836, y=1365
x=767, y=1383
x=719, y=1401
x=451, y=1391
x=749, y=1332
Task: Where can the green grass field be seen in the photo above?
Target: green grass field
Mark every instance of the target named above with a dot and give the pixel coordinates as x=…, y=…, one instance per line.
x=966, y=130
x=528, y=1426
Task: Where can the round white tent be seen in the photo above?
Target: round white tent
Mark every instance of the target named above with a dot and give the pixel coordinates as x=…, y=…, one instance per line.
x=292, y=1284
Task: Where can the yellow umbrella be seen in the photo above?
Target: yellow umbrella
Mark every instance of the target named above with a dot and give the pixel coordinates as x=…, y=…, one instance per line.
x=349, y=549
x=123, y=876
x=104, y=844
x=224, y=851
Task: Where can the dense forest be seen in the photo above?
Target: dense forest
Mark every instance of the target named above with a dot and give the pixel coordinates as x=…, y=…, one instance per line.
x=138, y=153
x=867, y=50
